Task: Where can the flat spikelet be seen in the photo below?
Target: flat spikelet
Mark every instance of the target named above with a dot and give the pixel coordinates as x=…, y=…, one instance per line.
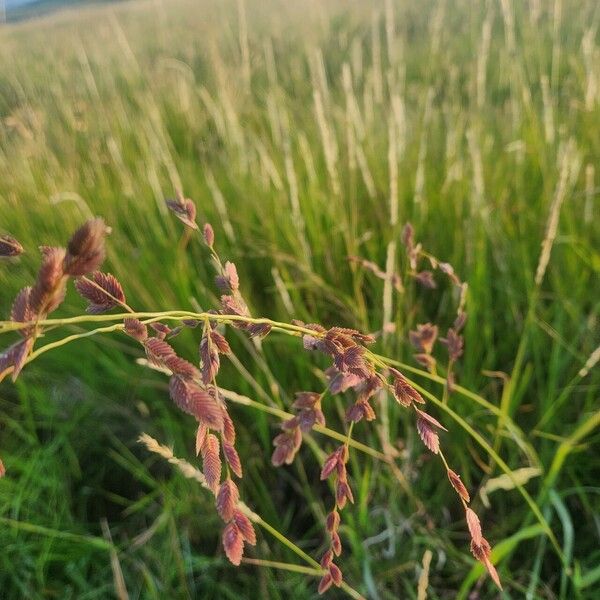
x=211, y=461
x=9, y=246
x=86, y=250
x=101, y=290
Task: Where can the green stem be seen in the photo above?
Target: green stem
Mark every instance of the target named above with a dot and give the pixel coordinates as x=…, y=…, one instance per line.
x=284, y=566
x=173, y=315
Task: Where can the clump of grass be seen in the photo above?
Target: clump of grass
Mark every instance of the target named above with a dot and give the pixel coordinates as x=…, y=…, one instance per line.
x=474, y=122
x=195, y=391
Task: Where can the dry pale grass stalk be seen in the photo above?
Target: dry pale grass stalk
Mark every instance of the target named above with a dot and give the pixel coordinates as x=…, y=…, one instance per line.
x=244, y=45
x=115, y=565
x=478, y=194
x=568, y=166
x=483, y=56
x=376, y=65
x=419, y=195
x=548, y=109
x=294, y=198
x=330, y=149
x=588, y=209
x=424, y=577
x=590, y=363
x=591, y=56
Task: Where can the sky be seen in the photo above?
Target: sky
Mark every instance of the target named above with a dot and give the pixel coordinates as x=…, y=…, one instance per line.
x=13, y=3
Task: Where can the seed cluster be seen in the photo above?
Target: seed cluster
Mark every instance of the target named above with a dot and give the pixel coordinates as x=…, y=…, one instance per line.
x=193, y=386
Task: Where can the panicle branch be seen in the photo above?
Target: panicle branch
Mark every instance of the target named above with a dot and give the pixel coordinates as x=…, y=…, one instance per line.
x=193, y=386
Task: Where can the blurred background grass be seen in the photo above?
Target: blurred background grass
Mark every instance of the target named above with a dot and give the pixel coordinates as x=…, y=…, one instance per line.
x=285, y=123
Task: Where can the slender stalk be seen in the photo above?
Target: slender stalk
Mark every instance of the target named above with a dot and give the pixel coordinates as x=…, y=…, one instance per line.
x=106, y=293
x=259, y=562
x=174, y=315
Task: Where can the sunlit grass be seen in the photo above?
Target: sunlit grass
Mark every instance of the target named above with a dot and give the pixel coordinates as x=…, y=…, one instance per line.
x=280, y=130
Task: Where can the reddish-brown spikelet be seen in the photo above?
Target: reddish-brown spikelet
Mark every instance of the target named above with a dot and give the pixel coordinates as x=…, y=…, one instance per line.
x=101, y=290
x=344, y=454
x=287, y=443
x=359, y=410
x=336, y=543
x=458, y=485
x=24, y=348
x=448, y=270
x=50, y=286
x=211, y=461
x=404, y=393
x=228, y=428
x=336, y=574
x=280, y=454
x=21, y=311
x=425, y=360
x=209, y=235
x=245, y=526
x=162, y=330
x=136, y=329
x=204, y=407
x=158, y=351
x=179, y=392
x=184, y=209
x=424, y=337
x=327, y=559
x=234, y=306
x=209, y=357
x=310, y=417
x=408, y=236
x=259, y=330
x=232, y=458
x=325, y=583
x=9, y=246
x=14, y=357
x=330, y=464
x=428, y=435
x=460, y=321
x=7, y=360
x=343, y=492
x=182, y=367
x=340, y=382
x=333, y=521
x=86, y=250
x=425, y=278
x=482, y=552
x=306, y=399
x=220, y=342
x=474, y=526
x=231, y=274
x=233, y=543
x=2, y=469
x=430, y=419
x=200, y=436
x=455, y=344
x=227, y=499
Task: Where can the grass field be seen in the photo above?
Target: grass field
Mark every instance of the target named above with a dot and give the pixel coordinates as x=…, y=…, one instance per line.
x=307, y=133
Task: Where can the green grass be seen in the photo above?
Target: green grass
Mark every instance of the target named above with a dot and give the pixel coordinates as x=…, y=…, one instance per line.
x=107, y=110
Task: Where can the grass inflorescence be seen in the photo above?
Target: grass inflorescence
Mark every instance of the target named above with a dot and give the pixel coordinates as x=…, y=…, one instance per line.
x=309, y=138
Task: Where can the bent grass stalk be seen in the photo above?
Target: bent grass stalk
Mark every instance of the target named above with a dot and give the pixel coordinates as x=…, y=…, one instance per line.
x=495, y=457
x=191, y=472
